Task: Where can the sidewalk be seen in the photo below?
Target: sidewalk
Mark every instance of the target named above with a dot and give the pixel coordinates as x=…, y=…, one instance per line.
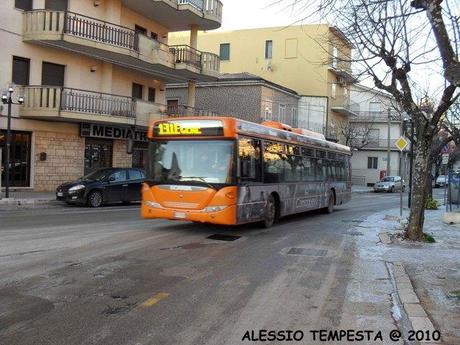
x=433, y=269
x=28, y=199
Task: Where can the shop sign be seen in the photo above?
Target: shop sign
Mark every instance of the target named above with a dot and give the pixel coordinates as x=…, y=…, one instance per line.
x=112, y=132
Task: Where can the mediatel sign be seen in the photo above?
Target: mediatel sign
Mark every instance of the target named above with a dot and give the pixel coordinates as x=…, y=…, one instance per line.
x=112, y=132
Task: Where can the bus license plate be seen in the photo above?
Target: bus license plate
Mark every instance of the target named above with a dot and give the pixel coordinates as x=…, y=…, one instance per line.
x=180, y=215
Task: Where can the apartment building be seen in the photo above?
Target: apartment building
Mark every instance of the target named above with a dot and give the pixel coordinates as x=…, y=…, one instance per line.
x=376, y=116
x=312, y=60
x=240, y=95
x=93, y=74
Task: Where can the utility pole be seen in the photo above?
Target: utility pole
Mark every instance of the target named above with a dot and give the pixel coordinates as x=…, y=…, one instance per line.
x=389, y=144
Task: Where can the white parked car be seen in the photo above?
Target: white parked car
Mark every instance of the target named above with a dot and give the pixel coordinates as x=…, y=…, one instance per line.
x=389, y=184
x=441, y=181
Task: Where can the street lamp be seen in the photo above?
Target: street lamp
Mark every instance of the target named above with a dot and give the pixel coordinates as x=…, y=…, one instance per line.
x=7, y=98
x=410, y=122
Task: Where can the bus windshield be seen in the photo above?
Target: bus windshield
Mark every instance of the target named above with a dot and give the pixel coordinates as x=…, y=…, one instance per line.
x=191, y=161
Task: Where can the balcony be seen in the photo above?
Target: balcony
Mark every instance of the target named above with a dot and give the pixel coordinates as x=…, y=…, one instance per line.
x=118, y=45
x=183, y=110
x=179, y=15
x=342, y=72
x=73, y=105
x=374, y=144
x=343, y=106
x=376, y=116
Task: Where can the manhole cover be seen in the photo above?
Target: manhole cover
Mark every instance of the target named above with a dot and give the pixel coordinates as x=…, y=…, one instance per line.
x=220, y=237
x=307, y=252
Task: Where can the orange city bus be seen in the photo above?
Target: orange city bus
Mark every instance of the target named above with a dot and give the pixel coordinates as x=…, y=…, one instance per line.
x=227, y=171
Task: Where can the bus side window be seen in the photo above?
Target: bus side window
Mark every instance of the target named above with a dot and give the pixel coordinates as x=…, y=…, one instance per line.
x=249, y=159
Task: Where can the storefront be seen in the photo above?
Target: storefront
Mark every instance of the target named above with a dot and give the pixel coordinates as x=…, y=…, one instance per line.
x=20, y=158
x=105, y=146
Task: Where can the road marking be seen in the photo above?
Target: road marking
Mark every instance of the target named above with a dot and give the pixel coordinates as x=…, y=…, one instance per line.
x=154, y=299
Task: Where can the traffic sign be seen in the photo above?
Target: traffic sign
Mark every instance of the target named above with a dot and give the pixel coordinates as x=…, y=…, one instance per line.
x=445, y=158
x=401, y=143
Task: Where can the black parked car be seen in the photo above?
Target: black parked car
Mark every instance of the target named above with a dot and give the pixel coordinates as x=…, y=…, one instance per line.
x=103, y=186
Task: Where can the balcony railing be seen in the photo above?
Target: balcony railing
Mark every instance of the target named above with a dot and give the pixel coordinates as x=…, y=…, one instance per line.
x=184, y=110
x=60, y=99
x=213, y=7
x=374, y=143
x=187, y=55
x=343, y=105
x=98, y=30
x=372, y=116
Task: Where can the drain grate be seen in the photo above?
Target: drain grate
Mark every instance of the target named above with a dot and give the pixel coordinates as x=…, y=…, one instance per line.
x=221, y=237
x=307, y=252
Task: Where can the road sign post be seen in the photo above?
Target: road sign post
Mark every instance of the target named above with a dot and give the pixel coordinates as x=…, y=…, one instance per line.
x=401, y=144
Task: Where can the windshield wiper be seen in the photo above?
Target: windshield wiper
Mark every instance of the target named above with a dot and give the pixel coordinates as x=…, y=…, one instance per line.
x=201, y=179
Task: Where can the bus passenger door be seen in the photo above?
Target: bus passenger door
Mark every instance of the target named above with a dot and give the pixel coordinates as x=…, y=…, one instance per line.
x=251, y=200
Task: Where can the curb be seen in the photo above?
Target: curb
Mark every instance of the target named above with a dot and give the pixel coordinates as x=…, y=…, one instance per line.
x=8, y=204
x=417, y=315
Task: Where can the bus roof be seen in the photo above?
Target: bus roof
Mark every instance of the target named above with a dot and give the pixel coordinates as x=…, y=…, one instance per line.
x=229, y=127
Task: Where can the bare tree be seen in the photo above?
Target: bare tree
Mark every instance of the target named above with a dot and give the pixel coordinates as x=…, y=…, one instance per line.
x=354, y=134
x=403, y=47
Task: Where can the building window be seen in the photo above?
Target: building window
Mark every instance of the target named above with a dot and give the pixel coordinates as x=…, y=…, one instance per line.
x=152, y=94
x=56, y=5
x=137, y=91
x=282, y=113
x=25, y=5
x=21, y=70
x=268, y=111
x=334, y=57
x=333, y=90
x=225, y=51
x=375, y=108
x=372, y=162
x=20, y=152
x=53, y=74
x=268, y=49
x=140, y=30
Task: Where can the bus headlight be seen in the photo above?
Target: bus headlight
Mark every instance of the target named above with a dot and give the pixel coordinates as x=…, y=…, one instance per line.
x=152, y=204
x=214, y=208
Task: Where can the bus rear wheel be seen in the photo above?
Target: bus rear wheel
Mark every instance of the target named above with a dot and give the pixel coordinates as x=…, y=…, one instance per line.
x=270, y=212
x=330, y=203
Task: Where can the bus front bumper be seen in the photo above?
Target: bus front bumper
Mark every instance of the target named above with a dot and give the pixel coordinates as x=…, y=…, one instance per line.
x=227, y=216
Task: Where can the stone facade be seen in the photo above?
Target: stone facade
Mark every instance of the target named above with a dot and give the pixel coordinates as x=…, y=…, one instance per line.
x=64, y=159
x=244, y=96
x=120, y=158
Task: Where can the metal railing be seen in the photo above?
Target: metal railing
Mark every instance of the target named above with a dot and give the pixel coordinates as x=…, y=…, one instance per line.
x=184, y=110
x=343, y=102
x=81, y=101
x=55, y=98
x=81, y=26
x=198, y=4
x=186, y=54
x=98, y=30
x=375, y=116
x=374, y=143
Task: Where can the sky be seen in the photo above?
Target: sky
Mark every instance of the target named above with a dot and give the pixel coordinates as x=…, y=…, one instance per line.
x=249, y=14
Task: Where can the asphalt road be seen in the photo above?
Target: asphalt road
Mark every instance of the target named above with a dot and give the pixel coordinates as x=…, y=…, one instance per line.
x=104, y=276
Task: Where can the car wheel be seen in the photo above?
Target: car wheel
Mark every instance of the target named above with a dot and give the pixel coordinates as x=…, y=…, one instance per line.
x=95, y=199
x=330, y=203
x=270, y=212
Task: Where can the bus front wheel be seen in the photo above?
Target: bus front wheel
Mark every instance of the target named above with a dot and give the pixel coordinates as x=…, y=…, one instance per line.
x=270, y=212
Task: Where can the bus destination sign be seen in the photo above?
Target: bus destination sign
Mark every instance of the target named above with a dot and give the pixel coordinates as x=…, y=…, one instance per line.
x=188, y=128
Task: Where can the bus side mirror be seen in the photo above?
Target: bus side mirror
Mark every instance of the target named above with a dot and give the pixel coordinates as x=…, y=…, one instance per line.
x=129, y=146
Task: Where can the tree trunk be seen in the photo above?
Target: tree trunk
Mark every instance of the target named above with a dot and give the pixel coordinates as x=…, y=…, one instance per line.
x=429, y=179
x=414, y=230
